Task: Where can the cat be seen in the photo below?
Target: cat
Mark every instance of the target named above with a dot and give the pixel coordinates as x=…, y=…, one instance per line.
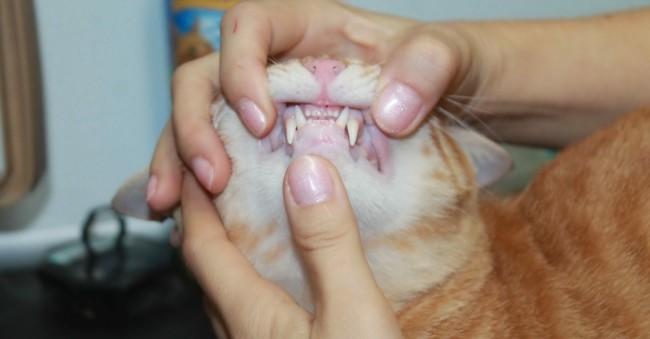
x=569, y=257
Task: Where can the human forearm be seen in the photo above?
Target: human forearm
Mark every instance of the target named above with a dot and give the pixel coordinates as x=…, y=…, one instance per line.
x=551, y=82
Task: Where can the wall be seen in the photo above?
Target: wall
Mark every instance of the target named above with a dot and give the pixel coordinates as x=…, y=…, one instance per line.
x=429, y=10
x=106, y=74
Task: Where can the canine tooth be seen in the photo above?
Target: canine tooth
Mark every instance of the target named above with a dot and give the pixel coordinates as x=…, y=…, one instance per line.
x=342, y=120
x=300, y=117
x=290, y=126
x=353, y=131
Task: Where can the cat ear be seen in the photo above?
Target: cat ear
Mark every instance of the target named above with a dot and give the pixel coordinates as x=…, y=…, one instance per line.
x=131, y=199
x=490, y=160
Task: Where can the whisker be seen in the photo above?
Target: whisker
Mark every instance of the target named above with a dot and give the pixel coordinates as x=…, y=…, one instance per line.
x=455, y=99
x=369, y=58
x=453, y=117
x=459, y=209
x=471, y=97
x=467, y=108
x=468, y=111
x=488, y=194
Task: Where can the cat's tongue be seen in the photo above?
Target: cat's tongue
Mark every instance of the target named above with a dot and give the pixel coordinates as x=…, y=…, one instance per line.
x=322, y=137
x=334, y=132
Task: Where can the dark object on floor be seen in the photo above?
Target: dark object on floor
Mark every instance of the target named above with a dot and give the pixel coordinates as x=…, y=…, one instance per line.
x=108, y=279
x=104, y=287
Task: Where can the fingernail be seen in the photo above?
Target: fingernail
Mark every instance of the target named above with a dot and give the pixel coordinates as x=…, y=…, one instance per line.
x=152, y=185
x=203, y=171
x=309, y=182
x=398, y=106
x=253, y=117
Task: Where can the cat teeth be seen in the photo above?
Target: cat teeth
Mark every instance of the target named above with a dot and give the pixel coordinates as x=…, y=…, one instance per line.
x=290, y=127
x=353, y=131
x=301, y=121
x=342, y=120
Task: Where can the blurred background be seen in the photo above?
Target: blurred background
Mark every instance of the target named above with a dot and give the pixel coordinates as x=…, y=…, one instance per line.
x=105, y=68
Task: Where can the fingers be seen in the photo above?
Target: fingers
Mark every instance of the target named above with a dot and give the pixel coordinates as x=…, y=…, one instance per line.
x=163, y=189
x=204, y=236
x=230, y=282
x=251, y=32
x=193, y=89
x=325, y=232
x=248, y=32
x=413, y=80
x=245, y=40
x=226, y=272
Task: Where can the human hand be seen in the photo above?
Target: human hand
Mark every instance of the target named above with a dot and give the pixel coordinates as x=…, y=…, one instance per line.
x=189, y=139
x=420, y=63
x=347, y=300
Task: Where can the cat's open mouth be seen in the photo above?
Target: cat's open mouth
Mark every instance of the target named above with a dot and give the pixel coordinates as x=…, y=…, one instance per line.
x=330, y=131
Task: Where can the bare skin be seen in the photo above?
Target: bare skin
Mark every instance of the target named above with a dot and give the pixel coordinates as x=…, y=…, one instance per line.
x=542, y=83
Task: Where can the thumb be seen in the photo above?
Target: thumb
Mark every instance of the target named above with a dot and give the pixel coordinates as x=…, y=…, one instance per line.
x=412, y=82
x=327, y=238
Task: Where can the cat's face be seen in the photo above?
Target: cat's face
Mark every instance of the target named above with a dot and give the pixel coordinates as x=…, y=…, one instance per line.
x=398, y=187
x=323, y=108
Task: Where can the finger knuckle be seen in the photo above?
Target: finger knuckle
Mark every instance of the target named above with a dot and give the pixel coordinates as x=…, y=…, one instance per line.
x=245, y=9
x=427, y=62
x=183, y=72
x=193, y=249
x=431, y=51
x=186, y=136
x=321, y=235
x=190, y=128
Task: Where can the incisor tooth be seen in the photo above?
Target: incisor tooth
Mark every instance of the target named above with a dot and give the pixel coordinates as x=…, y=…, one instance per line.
x=300, y=117
x=342, y=120
x=290, y=127
x=353, y=131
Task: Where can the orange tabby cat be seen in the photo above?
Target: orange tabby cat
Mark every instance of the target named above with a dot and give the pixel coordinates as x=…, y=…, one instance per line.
x=569, y=257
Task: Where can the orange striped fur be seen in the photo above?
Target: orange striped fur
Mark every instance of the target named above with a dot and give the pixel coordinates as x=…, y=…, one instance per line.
x=567, y=258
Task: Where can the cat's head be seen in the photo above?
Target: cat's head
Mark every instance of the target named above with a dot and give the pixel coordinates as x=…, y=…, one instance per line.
x=408, y=194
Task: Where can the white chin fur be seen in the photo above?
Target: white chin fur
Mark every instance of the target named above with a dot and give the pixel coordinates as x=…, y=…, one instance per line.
x=382, y=204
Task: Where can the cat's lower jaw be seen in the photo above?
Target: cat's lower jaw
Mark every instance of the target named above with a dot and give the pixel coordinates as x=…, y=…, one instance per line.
x=330, y=131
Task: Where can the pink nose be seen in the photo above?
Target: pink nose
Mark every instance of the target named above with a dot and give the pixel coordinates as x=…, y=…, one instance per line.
x=325, y=70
